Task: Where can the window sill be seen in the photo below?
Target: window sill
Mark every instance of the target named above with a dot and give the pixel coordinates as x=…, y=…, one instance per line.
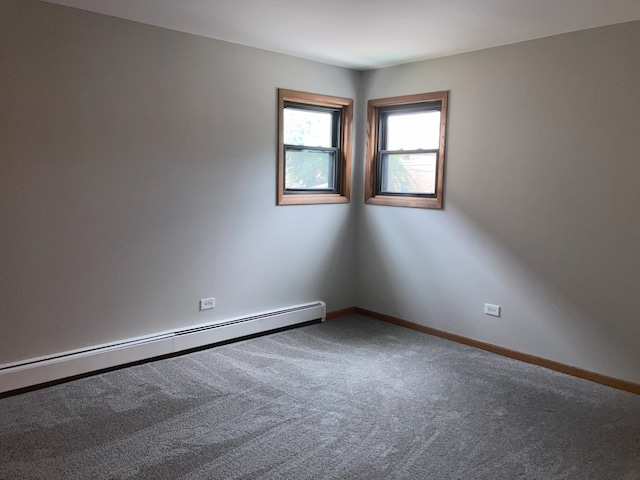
x=413, y=202
x=312, y=199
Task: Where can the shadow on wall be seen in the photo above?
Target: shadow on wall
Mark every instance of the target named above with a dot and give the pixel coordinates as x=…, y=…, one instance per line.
x=280, y=259
x=439, y=268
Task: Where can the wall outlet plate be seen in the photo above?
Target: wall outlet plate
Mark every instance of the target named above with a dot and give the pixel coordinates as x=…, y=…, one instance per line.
x=207, y=303
x=493, y=310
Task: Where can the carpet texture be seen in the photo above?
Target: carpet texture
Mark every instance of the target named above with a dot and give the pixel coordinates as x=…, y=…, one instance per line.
x=351, y=398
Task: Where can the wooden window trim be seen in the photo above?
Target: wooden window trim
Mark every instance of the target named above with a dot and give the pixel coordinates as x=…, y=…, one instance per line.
x=344, y=185
x=373, y=107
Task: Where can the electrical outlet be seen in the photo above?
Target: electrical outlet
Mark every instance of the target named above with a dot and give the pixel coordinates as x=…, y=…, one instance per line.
x=493, y=310
x=207, y=303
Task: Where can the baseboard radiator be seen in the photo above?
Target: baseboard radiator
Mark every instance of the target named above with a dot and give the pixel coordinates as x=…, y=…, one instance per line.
x=46, y=369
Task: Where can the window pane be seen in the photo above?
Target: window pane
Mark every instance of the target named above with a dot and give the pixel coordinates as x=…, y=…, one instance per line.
x=412, y=131
x=307, y=127
x=309, y=169
x=415, y=173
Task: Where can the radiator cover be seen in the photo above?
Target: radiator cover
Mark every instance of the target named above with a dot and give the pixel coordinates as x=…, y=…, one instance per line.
x=49, y=368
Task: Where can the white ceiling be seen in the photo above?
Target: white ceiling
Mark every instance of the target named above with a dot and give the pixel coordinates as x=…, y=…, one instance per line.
x=364, y=34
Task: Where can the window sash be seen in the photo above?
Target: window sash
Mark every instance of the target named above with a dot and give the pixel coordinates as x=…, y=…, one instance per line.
x=336, y=120
x=383, y=166
x=333, y=172
x=385, y=112
x=412, y=129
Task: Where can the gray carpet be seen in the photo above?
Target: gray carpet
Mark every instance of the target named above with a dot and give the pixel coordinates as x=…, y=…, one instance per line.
x=352, y=398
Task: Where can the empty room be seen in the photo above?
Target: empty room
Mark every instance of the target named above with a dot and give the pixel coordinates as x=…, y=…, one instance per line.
x=334, y=240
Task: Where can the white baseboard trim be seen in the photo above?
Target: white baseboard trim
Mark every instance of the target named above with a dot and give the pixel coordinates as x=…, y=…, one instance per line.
x=35, y=371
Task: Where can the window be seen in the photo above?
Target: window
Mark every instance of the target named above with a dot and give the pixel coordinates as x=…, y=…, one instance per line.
x=314, y=148
x=405, y=150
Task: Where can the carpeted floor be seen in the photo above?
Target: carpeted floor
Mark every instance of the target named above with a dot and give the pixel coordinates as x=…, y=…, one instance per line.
x=351, y=398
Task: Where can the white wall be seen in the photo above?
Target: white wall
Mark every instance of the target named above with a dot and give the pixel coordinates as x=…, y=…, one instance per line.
x=138, y=175
x=542, y=202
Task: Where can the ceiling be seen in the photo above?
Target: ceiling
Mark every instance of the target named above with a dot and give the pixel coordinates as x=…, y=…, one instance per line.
x=365, y=34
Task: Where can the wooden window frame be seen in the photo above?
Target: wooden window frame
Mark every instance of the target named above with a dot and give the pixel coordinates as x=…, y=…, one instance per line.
x=344, y=156
x=373, y=197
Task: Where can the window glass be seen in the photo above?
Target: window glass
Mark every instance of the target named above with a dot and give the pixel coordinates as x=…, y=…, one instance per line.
x=307, y=127
x=309, y=169
x=413, y=131
x=409, y=173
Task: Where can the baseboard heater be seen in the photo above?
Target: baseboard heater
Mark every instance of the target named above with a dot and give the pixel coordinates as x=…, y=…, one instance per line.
x=40, y=370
